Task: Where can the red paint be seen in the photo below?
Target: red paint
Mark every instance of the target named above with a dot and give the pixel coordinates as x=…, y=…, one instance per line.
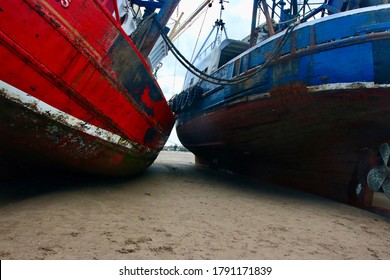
x=62, y=56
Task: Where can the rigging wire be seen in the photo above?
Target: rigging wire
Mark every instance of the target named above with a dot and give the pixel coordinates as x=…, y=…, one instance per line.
x=200, y=31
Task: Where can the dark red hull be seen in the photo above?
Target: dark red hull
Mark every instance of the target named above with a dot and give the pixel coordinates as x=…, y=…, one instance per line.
x=321, y=143
x=76, y=60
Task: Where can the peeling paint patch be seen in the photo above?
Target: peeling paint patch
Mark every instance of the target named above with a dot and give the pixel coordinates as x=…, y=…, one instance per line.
x=345, y=86
x=150, y=135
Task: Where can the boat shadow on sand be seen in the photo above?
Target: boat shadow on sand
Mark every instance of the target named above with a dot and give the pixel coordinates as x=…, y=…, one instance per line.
x=162, y=174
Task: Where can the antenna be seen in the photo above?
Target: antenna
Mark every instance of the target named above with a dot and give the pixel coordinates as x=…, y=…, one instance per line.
x=219, y=22
x=222, y=8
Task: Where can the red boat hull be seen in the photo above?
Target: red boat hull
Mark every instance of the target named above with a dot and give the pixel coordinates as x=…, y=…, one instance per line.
x=63, y=142
x=77, y=60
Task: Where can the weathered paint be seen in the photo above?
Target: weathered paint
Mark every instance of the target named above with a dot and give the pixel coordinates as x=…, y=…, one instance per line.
x=313, y=119
x=37, y=106
x=35, y=133
x=77, y=60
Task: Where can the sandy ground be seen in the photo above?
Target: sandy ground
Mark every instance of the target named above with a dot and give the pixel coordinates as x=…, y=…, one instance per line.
x=174, y=210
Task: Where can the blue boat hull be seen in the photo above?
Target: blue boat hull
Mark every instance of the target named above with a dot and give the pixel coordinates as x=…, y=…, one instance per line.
x=313, y=119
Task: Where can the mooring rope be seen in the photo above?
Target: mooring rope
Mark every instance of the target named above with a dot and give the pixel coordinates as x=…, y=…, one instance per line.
x=220, y=81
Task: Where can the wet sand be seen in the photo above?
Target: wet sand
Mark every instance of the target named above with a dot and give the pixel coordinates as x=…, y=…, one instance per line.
x=174, y=210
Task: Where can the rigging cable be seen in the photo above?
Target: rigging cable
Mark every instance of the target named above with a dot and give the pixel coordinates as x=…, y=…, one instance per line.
x=200, y=31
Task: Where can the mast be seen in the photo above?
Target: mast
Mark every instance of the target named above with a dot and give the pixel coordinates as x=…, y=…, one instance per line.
x=294, y=7
x=175, y=32
x=253, y=37
x=166, y=10
x=270, y=27
x=268, y=19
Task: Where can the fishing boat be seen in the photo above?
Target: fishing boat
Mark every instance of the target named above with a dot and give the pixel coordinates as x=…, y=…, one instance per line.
x=77, y=90
x=303, y=102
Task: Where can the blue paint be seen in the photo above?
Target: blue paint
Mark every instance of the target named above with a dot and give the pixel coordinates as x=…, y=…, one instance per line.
x=378, y=27
x=342, y=27
x=343, y=65
x=303, y=38
x=256, y=57
x=337, y=50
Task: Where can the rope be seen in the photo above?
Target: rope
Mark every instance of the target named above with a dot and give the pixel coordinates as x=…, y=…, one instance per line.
x=220, y=81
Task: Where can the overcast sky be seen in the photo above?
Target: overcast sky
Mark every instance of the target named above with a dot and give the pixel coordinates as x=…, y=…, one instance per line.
x=237, y=18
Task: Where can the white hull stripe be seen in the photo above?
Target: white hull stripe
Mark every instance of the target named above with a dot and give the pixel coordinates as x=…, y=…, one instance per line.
x=316, y=89
x=346, y=86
